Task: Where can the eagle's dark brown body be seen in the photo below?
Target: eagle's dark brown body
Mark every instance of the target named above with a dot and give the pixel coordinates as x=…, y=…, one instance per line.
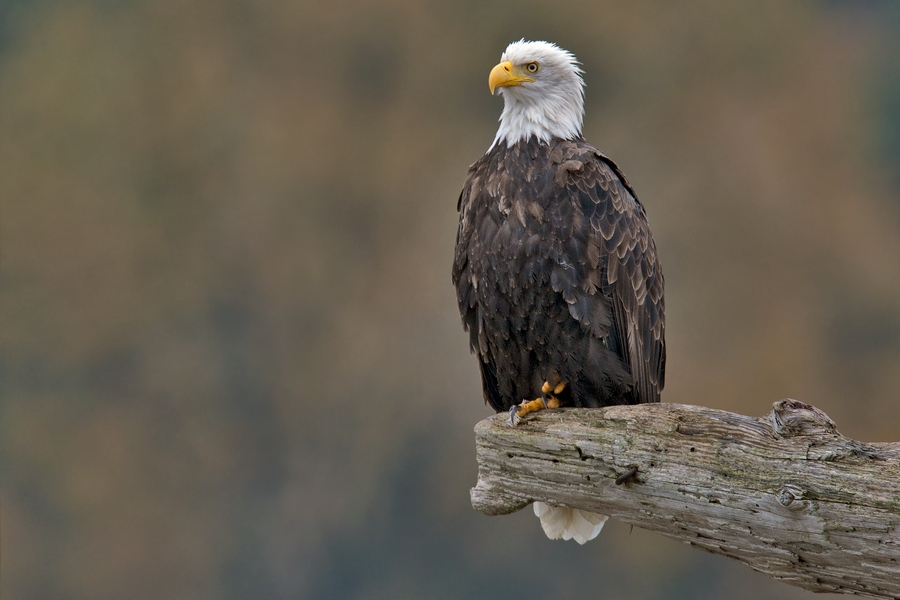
x=557, y=277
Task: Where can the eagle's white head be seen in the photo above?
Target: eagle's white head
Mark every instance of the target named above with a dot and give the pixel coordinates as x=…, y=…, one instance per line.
x=543, y=93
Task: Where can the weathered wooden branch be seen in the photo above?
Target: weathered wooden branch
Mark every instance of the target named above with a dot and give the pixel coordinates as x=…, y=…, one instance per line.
x=785, y=494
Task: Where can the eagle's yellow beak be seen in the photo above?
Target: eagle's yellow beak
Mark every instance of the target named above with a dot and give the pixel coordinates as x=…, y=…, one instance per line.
x=505, y=74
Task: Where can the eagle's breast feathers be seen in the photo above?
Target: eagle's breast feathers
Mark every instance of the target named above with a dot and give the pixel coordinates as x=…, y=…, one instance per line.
x=557, y=276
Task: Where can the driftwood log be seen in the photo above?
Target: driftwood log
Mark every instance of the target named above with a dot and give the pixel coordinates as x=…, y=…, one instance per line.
x=785, y=494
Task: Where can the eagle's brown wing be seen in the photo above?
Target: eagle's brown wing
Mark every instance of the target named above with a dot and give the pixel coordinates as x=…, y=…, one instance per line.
x=614, y=248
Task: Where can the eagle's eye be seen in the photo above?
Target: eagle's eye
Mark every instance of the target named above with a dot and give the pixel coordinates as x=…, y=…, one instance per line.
x=532, y=67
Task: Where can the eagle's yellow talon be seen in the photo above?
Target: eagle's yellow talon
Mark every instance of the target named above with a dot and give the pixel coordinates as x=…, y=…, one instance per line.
x=547, y=400
x=530, y=407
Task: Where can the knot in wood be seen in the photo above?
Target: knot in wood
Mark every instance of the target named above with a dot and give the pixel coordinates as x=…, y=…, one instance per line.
x=790, y=496
x=626, y=476
x=792, y=417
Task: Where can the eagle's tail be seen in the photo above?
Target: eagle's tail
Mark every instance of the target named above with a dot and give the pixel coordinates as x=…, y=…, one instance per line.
x=569, y=523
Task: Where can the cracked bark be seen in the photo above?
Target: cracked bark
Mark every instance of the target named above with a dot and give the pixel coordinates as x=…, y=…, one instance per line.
x=785, y=494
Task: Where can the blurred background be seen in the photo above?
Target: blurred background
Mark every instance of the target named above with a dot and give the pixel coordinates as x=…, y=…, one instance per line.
x=232, y=362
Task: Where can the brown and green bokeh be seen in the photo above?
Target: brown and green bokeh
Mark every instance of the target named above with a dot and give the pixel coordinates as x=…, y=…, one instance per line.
x=231, y=362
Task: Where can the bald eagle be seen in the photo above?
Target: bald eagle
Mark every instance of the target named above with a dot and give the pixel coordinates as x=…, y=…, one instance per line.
x=556, y=272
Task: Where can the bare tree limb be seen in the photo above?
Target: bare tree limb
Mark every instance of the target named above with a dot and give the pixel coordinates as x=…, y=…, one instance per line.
x=785, y=494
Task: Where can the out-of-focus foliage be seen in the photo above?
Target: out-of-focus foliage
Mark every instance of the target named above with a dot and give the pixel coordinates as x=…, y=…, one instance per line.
x=232, y=364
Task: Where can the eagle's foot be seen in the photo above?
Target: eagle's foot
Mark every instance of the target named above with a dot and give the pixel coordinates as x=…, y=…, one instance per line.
x=553, y=391
x=549, y=399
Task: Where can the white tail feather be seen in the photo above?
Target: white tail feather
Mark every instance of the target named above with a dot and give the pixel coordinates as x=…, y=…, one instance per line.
x=569, y=523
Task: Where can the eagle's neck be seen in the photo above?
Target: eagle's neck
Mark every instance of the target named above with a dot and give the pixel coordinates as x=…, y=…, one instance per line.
x=558, y=115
